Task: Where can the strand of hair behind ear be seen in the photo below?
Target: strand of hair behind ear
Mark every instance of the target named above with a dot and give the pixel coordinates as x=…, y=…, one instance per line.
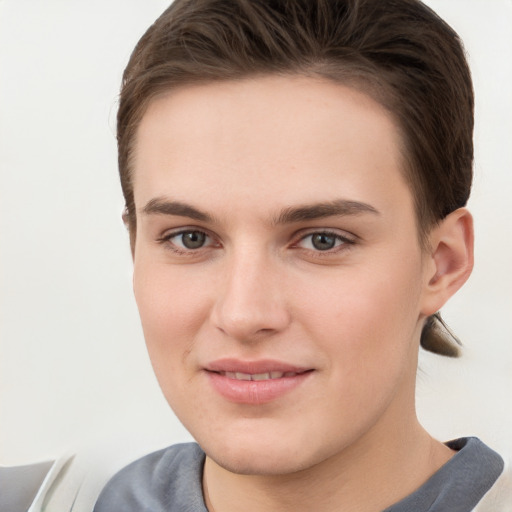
x=438, y=338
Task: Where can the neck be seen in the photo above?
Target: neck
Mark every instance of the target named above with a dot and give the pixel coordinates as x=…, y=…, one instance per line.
x=367, y=476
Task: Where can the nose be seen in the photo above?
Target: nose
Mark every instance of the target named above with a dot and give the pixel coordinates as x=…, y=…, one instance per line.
x=250, y=302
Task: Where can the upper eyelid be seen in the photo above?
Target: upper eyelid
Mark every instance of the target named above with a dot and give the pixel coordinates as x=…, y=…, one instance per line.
x=346, y=235
x=172, y=232
x=167, y=236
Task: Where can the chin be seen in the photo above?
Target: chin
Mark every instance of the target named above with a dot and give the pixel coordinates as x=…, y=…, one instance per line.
x=269, y=455
x=244, y=461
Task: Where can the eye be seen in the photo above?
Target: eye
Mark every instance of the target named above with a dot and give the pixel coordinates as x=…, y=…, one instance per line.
x=323, y=241
x=188, y=240
x=192, y=239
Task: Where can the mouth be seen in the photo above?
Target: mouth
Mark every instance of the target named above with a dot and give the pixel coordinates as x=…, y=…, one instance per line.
x=255, y=383
x=258, y=376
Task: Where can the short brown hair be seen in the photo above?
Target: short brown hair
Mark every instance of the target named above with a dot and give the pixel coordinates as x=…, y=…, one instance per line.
x=398, y=51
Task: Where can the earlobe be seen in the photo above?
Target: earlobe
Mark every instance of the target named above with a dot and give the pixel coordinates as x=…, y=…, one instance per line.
x=450, y=259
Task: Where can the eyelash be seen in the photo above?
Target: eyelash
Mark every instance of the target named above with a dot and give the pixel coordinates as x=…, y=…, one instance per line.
x=166, y=240
x=344, y=242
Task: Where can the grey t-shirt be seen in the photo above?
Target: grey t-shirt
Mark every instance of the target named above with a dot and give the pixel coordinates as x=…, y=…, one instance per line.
x=170, y=481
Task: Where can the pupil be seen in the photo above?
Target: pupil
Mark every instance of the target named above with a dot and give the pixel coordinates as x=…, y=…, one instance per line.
x=323, y=242
x=193, y=239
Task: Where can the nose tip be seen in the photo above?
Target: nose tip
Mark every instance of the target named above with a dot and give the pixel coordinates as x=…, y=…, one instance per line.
x=251, y=305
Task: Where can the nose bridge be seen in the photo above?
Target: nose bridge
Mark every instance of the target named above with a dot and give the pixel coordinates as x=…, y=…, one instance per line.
x=250, y=300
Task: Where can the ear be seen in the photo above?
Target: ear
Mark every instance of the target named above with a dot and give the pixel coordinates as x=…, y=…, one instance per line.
x=449, y=261
x=126, y=221
x=125, y=218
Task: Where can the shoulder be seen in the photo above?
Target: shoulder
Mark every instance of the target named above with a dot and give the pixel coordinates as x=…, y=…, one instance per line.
x=461, y=484
x=166, y=480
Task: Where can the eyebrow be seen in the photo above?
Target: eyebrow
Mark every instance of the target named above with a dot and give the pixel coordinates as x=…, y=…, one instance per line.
x=290, y=215
x=161, y=206
x=338, y=207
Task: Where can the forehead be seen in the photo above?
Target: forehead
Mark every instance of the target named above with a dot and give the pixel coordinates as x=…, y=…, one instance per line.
x=293, y=138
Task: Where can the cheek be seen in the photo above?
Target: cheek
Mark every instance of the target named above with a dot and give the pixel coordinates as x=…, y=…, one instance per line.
x=368, y=317
x=172, y=308
x=172, y=311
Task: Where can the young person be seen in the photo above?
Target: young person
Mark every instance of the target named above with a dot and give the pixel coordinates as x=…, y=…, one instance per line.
x=295, y=176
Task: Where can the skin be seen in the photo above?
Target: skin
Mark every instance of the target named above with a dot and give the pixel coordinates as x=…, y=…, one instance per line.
x=241, y=155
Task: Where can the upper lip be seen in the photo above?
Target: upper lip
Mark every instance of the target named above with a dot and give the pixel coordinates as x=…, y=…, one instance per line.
x=253, y=367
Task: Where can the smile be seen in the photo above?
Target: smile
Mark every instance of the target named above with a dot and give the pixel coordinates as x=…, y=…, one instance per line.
x=255, y=382
x=257, y=376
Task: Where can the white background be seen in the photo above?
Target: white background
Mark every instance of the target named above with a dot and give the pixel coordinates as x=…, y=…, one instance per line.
x=74, y=374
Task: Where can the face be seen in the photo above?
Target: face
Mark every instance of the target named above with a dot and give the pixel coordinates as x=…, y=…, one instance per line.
x=277, y=269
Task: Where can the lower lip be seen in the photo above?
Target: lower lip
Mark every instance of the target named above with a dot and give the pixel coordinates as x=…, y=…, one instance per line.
x=255, y=392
